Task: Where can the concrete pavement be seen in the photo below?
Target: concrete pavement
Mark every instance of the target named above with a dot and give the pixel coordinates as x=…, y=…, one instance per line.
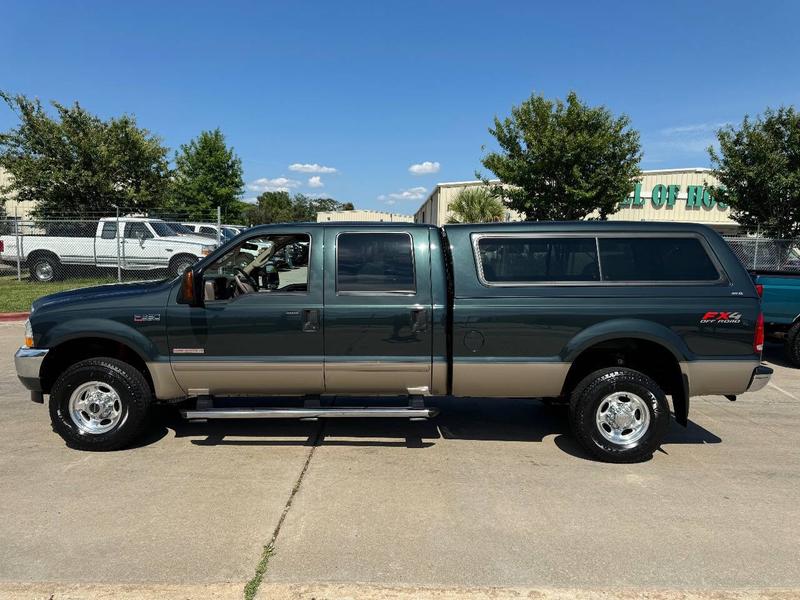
x=492, y=499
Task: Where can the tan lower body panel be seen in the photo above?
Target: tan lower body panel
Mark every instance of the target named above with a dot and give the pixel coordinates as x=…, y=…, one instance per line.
x=376, y=377
x=509, y=380
x=718, y=376
x=164, y=382
x=228, y=377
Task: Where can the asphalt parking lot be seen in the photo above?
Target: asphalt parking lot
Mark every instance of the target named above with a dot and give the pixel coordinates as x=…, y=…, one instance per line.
x=491, y=494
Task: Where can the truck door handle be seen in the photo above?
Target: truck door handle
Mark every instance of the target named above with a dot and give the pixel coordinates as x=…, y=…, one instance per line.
x=310, y=320
x=419, y=320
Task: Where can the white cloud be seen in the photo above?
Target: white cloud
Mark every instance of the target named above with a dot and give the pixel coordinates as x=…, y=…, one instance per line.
x=315, y=182
x=415, y=193
x=424, y=168
x=278, y=184
x=311, y=168
x=250, y=200
x=692, y=129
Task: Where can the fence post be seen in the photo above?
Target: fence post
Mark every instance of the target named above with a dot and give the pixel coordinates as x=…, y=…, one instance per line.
x=219, y=226
x=119, y=263
x=755, y=252
x=17, y=241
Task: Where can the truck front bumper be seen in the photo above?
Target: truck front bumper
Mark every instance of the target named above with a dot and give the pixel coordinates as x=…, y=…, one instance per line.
x=28, y=362
x=760, y=378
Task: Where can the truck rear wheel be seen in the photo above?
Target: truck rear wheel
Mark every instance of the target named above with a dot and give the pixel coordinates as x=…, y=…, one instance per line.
x=619, y=415
x=44, y=267
x=791, y=345
x=99, y=404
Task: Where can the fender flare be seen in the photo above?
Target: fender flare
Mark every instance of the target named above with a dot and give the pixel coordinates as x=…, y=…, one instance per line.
x=101, y=329
x=638, y=329
x=626, y=328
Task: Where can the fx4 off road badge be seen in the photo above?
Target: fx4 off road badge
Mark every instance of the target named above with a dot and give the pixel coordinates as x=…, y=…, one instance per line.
x=722, y=317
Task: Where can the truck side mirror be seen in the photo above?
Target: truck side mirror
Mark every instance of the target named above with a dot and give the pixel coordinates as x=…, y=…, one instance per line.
x=190, y=292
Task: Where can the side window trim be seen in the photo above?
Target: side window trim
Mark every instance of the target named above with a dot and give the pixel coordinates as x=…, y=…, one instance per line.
x=409, y=293
x=476, y=237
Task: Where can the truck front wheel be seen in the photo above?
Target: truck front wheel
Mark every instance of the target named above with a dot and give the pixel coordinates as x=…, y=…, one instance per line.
x=619, y=415
x=99, y=404
x=792, y=345
x=180, y=263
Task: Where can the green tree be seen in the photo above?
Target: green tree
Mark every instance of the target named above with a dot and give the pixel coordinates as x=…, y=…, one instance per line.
x=207, y=174
x=476, y=205
x=758, y=168
x=564, y=161
x=281, y=207
x=78, y=164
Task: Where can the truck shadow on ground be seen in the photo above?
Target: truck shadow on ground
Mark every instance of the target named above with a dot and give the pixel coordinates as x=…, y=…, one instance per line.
x=459, y=419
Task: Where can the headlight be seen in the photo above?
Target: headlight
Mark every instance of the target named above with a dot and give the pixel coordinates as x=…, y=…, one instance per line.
x=206, y=250
x=28, y=334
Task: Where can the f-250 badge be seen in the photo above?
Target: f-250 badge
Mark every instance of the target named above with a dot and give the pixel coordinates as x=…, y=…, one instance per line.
x=722, y=317
x=148, y=318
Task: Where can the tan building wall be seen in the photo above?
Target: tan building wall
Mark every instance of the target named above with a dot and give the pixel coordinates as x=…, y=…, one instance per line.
x=363, y=216
x=23, y=209
x=678, y=195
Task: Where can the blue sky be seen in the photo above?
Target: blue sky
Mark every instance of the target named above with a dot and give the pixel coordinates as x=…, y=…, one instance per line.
x=371, y=88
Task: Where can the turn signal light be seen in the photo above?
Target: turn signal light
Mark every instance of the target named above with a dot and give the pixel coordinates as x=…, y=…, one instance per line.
x=28, y=334
x=758, y=339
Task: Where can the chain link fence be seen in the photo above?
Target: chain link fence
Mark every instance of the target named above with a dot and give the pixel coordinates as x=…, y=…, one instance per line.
x=106, y=248
x=767, y=254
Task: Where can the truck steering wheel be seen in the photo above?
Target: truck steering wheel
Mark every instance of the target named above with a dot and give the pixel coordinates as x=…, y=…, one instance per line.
x=249, y=281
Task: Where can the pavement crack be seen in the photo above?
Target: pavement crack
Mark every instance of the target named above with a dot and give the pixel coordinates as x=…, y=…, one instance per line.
x=251, y=588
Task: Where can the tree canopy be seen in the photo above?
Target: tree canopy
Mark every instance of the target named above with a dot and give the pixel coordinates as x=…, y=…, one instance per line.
x=78, y=164
x=281, y=207
x=564, y=160
x=758, y=168
x=207, y=174
x=476, y=205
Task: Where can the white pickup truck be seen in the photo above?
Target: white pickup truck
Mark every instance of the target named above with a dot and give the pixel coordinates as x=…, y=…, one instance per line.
x=143, y=244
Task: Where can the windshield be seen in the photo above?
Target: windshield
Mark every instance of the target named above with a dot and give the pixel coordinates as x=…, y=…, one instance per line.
x=180, y=228
x=162, y=229
x=229, y=233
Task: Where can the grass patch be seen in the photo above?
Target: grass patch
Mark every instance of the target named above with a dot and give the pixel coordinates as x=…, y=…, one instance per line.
x=17, y=296
x=252, y=586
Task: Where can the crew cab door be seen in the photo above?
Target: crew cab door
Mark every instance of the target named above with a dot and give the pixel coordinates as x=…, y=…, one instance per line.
x=267, y=342
x=377, y=310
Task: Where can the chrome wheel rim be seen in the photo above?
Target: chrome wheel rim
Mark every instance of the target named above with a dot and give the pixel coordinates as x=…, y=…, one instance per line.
x=43, y=271
x=95, y=407
x=622, y=418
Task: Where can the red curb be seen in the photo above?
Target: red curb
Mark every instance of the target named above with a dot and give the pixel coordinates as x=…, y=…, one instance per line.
x=19, y=316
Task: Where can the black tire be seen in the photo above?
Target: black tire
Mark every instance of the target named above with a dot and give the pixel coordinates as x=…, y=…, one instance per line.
x=593, y=392
x=180, y=263
x=791, y=346
x=134, y=398
x=44, y=268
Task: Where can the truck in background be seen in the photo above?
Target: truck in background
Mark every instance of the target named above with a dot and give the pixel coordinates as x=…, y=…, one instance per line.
x=132, y=243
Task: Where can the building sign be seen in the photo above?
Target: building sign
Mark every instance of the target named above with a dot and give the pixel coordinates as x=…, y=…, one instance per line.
x=696, y=197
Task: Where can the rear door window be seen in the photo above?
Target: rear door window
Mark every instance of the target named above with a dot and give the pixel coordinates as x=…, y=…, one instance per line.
x=375, y=262
x=519, y=259
x=656, y=259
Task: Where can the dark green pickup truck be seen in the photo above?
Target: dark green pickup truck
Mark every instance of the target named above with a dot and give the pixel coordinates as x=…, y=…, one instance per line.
x=610, y=317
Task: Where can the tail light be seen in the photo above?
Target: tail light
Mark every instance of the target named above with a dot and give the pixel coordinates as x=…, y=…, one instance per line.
x=2, y=246
x=760, y=290
x=758, y=339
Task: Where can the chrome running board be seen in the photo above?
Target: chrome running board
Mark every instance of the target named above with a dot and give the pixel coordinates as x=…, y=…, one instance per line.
x=310, y=413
